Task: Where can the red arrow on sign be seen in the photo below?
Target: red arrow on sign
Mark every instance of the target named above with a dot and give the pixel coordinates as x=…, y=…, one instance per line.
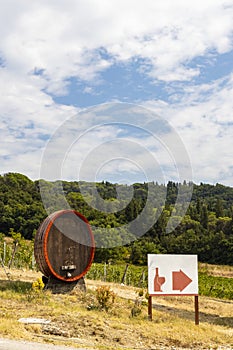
x=180, y=280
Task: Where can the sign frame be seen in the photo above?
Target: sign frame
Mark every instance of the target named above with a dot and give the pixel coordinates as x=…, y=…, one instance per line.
x=173, y=275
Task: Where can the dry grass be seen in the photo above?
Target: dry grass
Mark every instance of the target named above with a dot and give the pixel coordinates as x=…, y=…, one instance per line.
x=217, y=270
x=73, y=324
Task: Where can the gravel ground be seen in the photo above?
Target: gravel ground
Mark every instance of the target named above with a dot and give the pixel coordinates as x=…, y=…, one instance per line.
x=6, y=344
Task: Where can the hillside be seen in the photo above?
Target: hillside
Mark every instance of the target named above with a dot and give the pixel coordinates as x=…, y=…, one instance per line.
x=206, y=229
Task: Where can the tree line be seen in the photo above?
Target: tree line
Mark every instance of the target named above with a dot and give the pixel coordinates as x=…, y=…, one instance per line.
x=205, y=229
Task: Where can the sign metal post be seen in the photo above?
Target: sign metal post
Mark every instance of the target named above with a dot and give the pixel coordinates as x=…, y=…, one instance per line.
x=150, y=308
x=196, y=306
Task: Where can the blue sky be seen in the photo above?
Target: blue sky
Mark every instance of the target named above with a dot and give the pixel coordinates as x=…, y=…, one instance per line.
x=175, y=59
x=125, y=82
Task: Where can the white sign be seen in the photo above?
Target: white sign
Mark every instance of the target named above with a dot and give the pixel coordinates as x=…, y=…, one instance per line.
x=172, y=274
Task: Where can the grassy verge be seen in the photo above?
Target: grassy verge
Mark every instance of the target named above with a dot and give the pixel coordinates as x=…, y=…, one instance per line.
x=77, y=320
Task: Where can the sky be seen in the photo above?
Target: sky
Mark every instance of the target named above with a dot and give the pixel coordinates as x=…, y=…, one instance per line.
x=126, y=91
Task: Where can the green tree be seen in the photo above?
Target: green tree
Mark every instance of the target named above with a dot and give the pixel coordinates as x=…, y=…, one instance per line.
x=204, y=216
x=219, y=208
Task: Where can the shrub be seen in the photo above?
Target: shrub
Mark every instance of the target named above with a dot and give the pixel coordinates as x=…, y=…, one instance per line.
x=105, y=297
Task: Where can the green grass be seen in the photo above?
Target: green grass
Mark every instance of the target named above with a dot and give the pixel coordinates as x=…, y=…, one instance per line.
x=211, y=286
x=15, y=286
x=135, y=276
x=214, y=286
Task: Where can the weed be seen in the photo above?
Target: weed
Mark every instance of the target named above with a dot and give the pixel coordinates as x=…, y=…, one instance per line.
x=38, y=285
x=105, y=297
x=137, y=308
x=141, y=292
x=36, y=292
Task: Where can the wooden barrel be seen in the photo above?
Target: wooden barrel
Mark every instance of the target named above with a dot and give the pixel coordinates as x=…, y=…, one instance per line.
x=64, y=246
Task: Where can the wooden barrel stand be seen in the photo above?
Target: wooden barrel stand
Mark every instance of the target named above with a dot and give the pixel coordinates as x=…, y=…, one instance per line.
x=57, y=286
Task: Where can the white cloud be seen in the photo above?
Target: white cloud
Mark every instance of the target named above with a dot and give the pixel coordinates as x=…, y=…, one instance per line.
x=99, y=139
x=203, y=118
x=43, y=44
x=64, y=38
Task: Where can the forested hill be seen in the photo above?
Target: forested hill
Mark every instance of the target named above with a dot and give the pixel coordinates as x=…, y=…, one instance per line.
x=206, y=229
